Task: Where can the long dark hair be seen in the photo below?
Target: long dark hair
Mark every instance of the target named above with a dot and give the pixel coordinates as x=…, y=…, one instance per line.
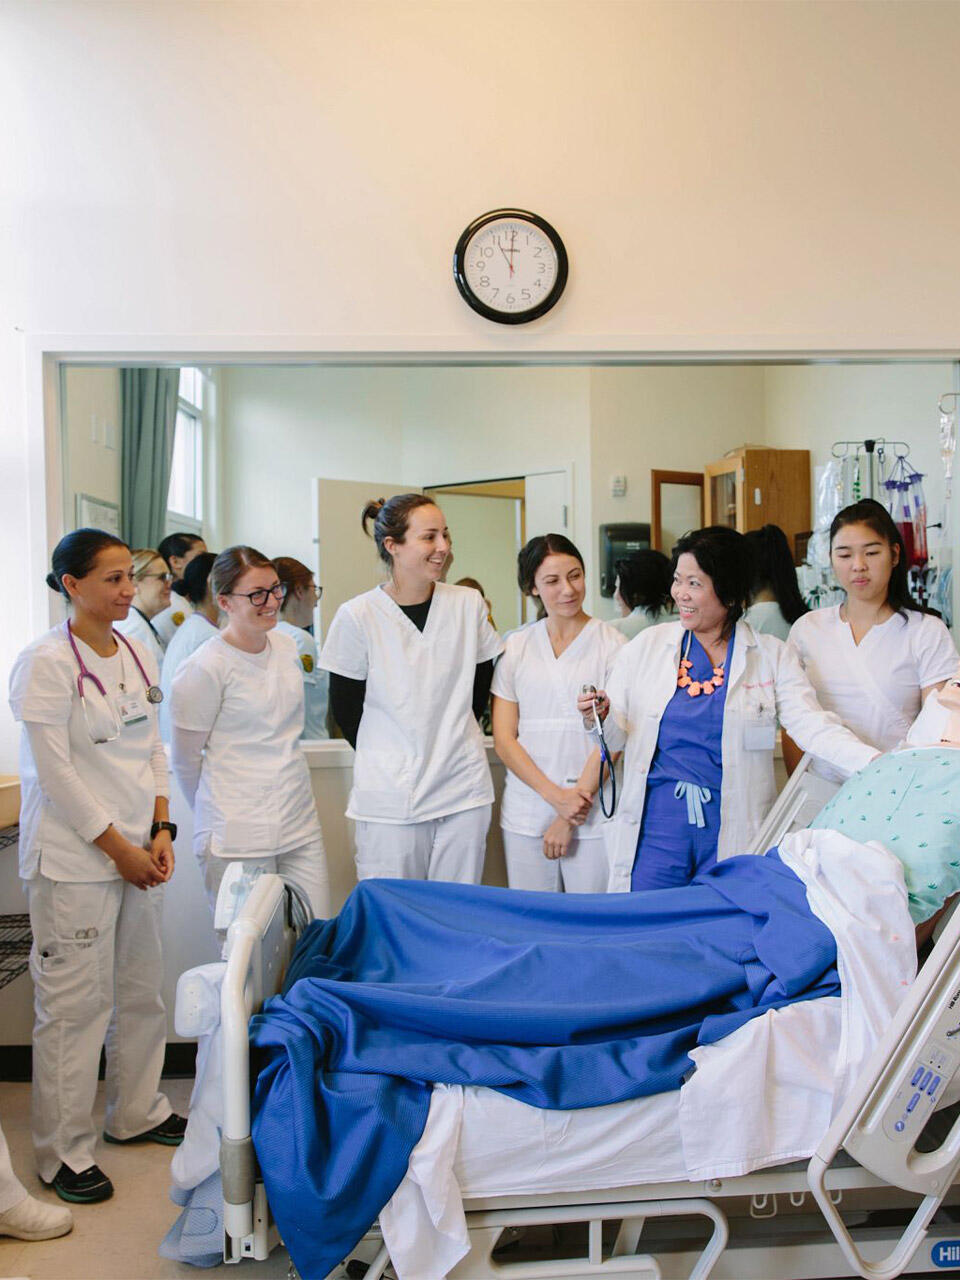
x=193, y=585
x=177, y=544
x=391, y=517
x=76, y=553
x=771, y=566
x=876, y=517
x=645, y=578
x=534, y=552
x=720, y=553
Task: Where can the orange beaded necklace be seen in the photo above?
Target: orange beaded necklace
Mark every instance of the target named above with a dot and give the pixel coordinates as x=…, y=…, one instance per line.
x=694, y=688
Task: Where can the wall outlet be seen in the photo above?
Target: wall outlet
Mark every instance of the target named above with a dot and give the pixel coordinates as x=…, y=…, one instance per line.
x=618, y=486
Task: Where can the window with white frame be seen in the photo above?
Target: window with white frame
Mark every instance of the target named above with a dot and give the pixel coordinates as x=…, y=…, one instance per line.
x=185, y=497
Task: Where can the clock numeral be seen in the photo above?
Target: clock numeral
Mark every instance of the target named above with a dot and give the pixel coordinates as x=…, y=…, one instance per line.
x=526, y=295
x=537, y=252
x=484, y=282
x=480, y=265
x=538, y=283
x=495, y=292
x=510, y=298
x=541, y=267
x=487, y=251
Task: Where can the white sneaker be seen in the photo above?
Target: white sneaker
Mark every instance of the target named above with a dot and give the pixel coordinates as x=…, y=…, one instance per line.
x=32, y=1219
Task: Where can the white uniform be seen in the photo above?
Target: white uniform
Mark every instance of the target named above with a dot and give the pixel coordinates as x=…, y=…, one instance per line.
x=766, y=683
x=874, y=686
x=168, y=620
x=96, y=961
x=195, y=631
x=237, y=719
x=316, y=681
x=136, y=627
x=422, y=790
x=550, y=730
x=638, y=620
x=767, y=620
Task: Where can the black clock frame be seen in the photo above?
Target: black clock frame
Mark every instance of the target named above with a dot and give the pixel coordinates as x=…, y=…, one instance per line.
x=510, y=317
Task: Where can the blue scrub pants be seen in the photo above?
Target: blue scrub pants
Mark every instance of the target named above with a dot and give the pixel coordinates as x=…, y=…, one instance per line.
x=671, y=849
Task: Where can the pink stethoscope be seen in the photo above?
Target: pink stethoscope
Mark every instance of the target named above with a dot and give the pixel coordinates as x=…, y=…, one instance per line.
x=154, y=694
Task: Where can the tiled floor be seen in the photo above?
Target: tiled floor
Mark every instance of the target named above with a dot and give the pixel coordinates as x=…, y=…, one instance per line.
x=117, y=1240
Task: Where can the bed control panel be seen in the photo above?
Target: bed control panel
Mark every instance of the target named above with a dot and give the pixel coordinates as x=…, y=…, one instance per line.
x=919, y=1094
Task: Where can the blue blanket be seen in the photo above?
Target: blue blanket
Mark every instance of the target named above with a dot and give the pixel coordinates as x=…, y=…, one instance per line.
x=562, y=1001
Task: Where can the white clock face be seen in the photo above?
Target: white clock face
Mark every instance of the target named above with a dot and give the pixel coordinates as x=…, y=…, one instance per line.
x=510, y=265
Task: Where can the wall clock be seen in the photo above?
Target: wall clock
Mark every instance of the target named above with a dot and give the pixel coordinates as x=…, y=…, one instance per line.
x=510, y=266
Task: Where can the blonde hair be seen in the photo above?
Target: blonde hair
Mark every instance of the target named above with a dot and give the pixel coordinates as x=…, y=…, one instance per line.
x=143, y=558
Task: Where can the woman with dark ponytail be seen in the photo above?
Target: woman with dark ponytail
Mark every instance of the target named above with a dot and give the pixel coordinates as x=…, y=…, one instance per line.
x=199, y=626
x=410, y=667
x=94, y=835
x=177, y=549
x=775, y=599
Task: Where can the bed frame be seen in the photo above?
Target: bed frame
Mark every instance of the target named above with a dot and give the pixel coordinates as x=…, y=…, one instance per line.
x=852, y=1210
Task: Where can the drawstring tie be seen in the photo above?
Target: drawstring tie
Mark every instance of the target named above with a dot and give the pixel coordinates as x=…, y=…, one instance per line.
x=696, y=797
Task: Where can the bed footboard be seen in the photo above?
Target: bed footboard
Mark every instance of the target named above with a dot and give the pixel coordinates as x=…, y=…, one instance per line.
x=259, y=945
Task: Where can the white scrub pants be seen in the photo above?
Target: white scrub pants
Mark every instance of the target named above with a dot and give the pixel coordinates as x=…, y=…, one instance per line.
x=97, y=971
x=451, y=848
x=12, y=1190
x=584, y=869
x=306, y=866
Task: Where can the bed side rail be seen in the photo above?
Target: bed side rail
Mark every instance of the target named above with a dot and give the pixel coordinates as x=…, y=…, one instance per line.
x=796, y=806
x=895, y=1095
x=259, y=944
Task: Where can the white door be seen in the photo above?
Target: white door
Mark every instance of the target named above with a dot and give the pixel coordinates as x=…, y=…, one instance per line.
x=546, y=509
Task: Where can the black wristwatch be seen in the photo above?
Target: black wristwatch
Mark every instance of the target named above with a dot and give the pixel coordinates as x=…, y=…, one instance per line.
x=163, y=826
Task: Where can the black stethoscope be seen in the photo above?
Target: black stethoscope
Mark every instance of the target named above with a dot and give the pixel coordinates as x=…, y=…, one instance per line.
x=154, y=693
x=608, y=807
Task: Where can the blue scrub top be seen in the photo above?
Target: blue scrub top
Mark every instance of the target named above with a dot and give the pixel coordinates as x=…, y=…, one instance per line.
x=688, y=745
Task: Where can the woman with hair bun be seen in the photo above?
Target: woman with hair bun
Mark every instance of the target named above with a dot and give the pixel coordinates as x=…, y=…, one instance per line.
x=877, y=657
x=237, y=716
x=152, y=580
x=410, y=666
x=552, y=831
x=178, y=549
x=96, y=844
x=695, y=703
x=296, y=617
x=200, y=625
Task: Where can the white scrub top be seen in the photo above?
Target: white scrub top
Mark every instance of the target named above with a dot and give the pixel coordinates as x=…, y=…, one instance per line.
x=136, y=627
x=122, y=778
x=874, y=687
x=195, y=631
x=254, y=796
x=550, y=728
x=420, y=752
x=767, y=620
x=166, y=622
x=638, y=620
x=316, y=681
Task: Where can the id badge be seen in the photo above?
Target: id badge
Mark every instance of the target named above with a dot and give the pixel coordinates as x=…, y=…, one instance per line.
x=132, y=710
x=759, y=737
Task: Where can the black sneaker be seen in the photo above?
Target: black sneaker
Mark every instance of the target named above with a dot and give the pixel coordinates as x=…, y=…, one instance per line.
x=169, y=1133
x=89, y=1186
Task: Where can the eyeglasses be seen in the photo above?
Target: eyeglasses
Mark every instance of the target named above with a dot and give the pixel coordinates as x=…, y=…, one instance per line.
x=163, y=577
x=259, y=597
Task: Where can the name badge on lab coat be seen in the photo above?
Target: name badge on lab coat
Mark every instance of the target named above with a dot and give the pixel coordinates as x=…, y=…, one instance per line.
x=132, y=709
x=759, y=737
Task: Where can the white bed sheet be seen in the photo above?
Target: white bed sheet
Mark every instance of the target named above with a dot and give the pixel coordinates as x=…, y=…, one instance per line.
x=764, y=1095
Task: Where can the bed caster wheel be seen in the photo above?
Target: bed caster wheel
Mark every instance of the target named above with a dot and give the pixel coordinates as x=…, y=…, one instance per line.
x=355, y=1269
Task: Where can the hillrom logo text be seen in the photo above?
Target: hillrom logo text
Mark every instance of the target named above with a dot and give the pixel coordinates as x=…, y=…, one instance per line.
x=946, y=1253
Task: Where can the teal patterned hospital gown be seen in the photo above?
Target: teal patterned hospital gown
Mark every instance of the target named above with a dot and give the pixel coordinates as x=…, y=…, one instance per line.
x=909, y=801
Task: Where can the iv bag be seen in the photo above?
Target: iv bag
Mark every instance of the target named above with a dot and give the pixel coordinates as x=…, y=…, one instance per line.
x=909, y=511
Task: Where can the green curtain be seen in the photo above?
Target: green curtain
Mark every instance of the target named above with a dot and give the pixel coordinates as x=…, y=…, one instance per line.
x=149, y=400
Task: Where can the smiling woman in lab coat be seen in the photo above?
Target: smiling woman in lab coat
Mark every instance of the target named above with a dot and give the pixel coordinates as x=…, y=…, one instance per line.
x=696, y=703
x=552, y=830
x=411, y=664
x=94, y=833
x=237, y=716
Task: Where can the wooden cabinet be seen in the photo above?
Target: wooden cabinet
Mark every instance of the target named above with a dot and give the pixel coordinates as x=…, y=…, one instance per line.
x=753, y=487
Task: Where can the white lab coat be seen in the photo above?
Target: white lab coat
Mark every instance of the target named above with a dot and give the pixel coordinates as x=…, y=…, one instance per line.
x=420, y=753
x=96, y=960
x=550, y=728
x=766, y=683
x=136, y=627
x=316, y=681
x=195, y=631
x=254, y=797
x=166, y=622
x=875, y=686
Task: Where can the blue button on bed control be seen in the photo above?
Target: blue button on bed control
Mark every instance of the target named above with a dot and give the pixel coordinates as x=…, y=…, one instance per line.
x=917, y=1077
x=934, y=1086
x=926, y=1080
x=913, y=1102
x=899, y=1126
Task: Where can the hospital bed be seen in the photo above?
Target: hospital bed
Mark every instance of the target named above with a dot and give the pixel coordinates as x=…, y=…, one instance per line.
x=869, y=1202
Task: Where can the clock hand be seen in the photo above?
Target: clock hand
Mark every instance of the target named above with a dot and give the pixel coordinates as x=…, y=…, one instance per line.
x=504, y=252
